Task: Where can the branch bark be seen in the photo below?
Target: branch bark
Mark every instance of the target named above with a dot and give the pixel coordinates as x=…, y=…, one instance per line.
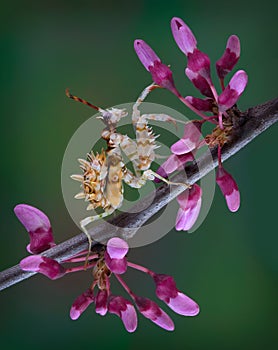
x=252, y=123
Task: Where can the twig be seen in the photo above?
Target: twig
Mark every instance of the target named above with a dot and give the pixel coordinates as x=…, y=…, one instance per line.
x=252, y=123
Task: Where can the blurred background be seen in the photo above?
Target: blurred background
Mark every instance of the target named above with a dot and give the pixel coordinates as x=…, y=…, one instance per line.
x=229, y=265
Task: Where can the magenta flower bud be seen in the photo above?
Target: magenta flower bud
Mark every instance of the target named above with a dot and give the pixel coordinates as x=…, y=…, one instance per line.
x=199, y=82
x=117, y=266
x=117, y=248
x=152, y=311
x=230, y=57
x=205, y=105
x=125, y=310
x=161, y=74
x=38, y=226
x=81, y=303
x=190, y=205
x=48, y=267
x=115, y=253
x=145, y=54
x=199, y=62
x=173, y=163
x=233, y=91
x=101, y=302
x=167, y=291
x=190, y=139
x=229, y=189
x=183, y=36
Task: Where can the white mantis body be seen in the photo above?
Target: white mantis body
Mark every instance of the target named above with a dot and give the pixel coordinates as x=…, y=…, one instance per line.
x=103, y=173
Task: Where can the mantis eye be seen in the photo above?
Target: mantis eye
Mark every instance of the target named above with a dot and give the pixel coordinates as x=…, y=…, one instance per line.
x=115, y=178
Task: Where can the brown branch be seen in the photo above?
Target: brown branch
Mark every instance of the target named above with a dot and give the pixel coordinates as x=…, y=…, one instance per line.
x=252, y=123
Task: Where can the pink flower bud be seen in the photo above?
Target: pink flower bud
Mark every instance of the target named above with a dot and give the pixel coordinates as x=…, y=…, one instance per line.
x=199, y=62
x=125, y=310
x=145, y=54
x=233, y=91
x=117, y=266
x=38, y=226
x=101, y=302
x=190, y=205
x=115, y=253
x=183, y=36
x=48, y=267
x=161, y=74
x=173, y=163
x=229, y=189
x=205, y=105
x=81, y=303
x=199, y=82
x=190, y=139
x=117, y=248
x=230, y=57
x=152, y=311
x=167, y=291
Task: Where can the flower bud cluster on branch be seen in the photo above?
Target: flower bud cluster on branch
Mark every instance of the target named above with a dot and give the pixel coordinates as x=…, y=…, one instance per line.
x=223, y=113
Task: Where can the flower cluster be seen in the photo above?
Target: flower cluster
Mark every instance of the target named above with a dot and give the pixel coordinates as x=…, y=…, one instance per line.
x=217, y=109
x=104, y=262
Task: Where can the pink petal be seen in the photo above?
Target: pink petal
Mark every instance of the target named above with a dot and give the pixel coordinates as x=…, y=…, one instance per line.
x=46, y=266
x=129, y=318
x=163, y=320
x=117, y=248
x=152, y=311
x=181, y=219
x=233, y=200
x=163, y=76
x=101, y=302
x=233, y=91
x=199, y=62
x=239, y=81
x=145, y=53
x=80, y=304
x=229, y=189
x=183, y=146
x=230, y=57
x=38, y=226
x=167, y=291
x=173, y=163
x=199, y=82
x=125, y=310
x=190, y=198
x=190, y=204
x=31, y=217
x=233, y=44
x=118, y=266
x=205, y=105
x=187, y=218
x=190, y=140
x=183, y=36
x=183, y=305
x=165, y=287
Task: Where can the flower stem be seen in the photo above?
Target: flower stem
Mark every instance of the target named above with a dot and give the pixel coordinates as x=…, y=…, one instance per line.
x=81, y=259
x=141, y=268
x=125, y=286
x=80, y=268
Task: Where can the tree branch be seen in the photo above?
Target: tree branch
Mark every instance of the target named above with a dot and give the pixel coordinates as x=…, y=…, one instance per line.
x=252, y=123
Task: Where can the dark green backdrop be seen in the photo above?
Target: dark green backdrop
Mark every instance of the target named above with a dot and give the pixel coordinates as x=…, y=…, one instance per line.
x=229, y=265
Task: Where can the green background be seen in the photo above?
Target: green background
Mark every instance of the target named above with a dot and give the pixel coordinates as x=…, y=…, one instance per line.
x=229, y=265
